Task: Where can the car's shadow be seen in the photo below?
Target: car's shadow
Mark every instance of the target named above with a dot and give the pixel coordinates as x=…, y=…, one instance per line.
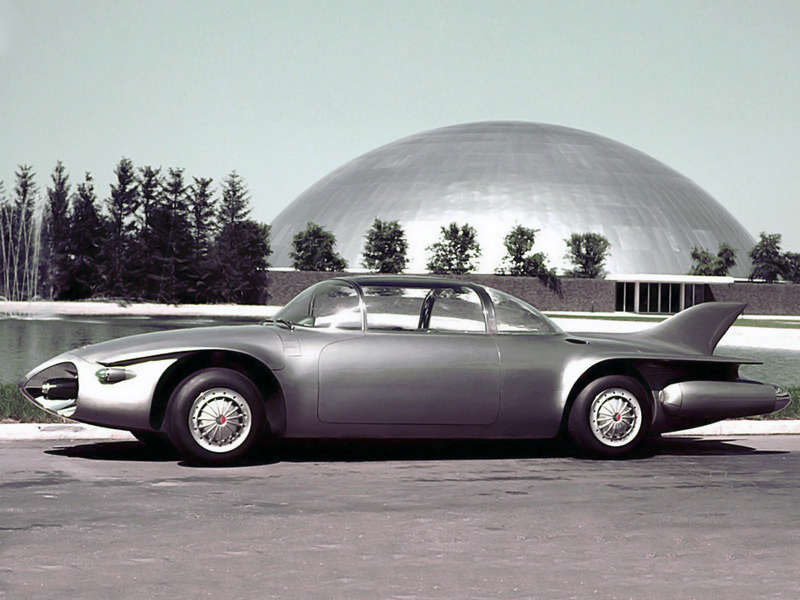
x=410, y=450
x=688, y=445
x=117, y=451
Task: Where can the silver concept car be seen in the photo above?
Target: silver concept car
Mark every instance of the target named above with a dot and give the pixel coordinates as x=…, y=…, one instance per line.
x=404, y=357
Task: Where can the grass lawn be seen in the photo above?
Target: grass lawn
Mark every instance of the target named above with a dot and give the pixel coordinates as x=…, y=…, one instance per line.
x=741, y=322
x=790, y=412
x=14, y=407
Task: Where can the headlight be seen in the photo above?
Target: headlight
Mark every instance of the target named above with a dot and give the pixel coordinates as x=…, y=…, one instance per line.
x=114, y=374
x=60, y=388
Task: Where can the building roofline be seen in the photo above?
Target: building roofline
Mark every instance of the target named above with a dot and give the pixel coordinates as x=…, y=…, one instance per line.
x=663, y=278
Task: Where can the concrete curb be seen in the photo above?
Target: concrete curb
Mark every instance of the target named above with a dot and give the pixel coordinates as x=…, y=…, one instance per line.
x=745, y=427
x=76, y=431
x=59, y=431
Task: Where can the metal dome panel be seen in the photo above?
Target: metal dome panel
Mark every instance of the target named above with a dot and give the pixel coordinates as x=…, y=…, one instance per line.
x=495, y=175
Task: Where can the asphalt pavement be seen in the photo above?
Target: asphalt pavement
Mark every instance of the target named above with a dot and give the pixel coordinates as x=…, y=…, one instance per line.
x=686, y=518
x=81, y=431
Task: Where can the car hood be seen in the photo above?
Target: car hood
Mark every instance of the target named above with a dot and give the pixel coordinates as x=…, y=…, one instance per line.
x=259, y=341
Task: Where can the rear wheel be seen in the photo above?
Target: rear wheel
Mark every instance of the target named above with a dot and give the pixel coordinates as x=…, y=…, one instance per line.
x=216, y=416
x=610, y=417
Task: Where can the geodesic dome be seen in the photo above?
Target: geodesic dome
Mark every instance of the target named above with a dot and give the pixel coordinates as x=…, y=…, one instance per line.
x=494, y=175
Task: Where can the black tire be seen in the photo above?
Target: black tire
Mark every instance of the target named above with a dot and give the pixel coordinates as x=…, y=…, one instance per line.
x=610, y=417
x=215, y=417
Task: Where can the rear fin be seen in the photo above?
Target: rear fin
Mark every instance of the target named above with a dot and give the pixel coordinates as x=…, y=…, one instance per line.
x=696, y=329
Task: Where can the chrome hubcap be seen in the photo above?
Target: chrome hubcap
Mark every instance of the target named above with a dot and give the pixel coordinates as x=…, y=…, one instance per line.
x=615, y=417
x=220, y=420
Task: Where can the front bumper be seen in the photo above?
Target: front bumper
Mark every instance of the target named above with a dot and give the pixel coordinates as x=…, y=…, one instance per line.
x=121, y=403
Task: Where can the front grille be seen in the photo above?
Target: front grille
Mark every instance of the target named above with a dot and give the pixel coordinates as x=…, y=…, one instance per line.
x=54, y=389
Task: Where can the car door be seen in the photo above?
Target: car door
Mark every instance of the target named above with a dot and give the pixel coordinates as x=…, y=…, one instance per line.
x=443, y=371
x=534, y=354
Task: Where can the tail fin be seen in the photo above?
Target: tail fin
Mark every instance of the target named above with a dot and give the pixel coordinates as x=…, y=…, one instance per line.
x=696, y=329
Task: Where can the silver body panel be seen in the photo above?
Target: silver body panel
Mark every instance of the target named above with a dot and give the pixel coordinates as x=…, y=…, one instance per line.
x=262, y=343
x=366, y=380
x=125, y=405
x=340, y=383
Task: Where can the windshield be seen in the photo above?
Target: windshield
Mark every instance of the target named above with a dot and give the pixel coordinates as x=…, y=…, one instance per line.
x=331, y=304
x=298, y=310
x=515, y=316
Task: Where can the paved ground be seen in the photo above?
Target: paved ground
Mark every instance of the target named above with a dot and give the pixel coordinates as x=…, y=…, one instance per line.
x=701, y=518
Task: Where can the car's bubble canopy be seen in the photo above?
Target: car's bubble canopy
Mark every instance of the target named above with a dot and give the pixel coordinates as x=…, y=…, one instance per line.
x=412, y=304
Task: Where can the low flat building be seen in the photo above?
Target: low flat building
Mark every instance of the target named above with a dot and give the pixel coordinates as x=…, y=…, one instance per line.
x=663, y=294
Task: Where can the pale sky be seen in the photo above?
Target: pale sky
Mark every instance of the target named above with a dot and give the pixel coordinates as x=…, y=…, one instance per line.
x=285, y=92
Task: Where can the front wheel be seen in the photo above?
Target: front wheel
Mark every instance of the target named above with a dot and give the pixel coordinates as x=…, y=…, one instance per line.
x=216, y=416
x=610, y=417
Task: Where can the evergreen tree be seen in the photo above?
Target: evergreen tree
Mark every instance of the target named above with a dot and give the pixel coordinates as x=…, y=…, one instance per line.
x=386, y=249
x=150, y=191
x=121, y=205
x=768, y=261
x=234, y=206
x=202, y=210
x=174, y=276
x=456, y=251
x=704, y=263
x=313, y=250
x=520, y=260
x=588, y=252
x=238, y=264
x=54, y=256
x=87, y=230
x=141, y=261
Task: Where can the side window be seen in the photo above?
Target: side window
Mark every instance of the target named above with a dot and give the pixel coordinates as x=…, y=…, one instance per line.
x=514, y=316
x=336, y=305
x=392, y=308
x=458, y=310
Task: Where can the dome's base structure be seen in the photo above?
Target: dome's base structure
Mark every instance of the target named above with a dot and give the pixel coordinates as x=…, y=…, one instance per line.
x=495, y=175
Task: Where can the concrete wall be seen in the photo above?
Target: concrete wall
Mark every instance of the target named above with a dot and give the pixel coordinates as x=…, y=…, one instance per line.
x=579, y=294
x=589, y=295
x=761, y=298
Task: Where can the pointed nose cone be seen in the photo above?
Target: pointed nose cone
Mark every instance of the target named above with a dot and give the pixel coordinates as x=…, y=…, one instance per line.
x=54, y=389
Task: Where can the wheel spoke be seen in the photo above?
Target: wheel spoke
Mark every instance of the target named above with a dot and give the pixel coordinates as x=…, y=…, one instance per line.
x=615, y=416
x=220, y=419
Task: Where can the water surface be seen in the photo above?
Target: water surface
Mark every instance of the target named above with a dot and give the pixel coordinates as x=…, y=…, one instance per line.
x=26, y=343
